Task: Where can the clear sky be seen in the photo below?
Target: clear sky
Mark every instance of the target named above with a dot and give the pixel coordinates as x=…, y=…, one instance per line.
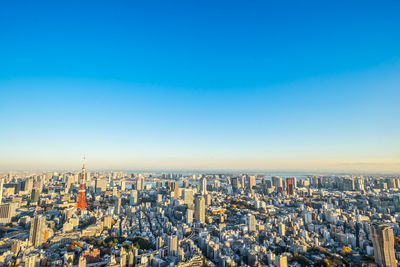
x=261, y=85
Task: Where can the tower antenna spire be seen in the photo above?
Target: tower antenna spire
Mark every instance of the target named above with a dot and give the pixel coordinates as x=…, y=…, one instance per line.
x=81, y=201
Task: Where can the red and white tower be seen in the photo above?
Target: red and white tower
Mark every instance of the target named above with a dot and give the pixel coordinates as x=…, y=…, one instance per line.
x=81, y=201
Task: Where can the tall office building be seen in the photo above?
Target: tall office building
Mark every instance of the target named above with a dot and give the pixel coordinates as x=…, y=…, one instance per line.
x=159, y=242
x=133, y=198
x=290, y=186
x=117, y=206
x=69, y=180
x=82, y=261
x=359, y=182
x=123, y=257
x=282, y=229
x=140, y=183
x=188, y=197
x=175, y=189
x=189, y=216
x=131, y=258
x=251, y=222
x=27, y=185
x=281, y=261
x=36, y=235
x=31, y=260
x=252, y=182
x=100, y=185
x=7, y=211
x=123, y=185
x=383, y=242
x=35, y=195
x=88, y=177
x=16, y=246
x=203, y=185
x=159, y=198
x=48, y=177
x=200, y=209
x=173, y=245
x=234, y=183
x=243, y=181
x=277, y=181
x=107, y=222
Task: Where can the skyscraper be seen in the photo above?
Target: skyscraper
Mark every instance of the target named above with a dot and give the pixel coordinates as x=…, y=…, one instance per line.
x=133, y=198
x=282, y=229
x=188, y=197
x=173, y=245
x=31, y=260
x=140, y=183
x=252, y=182
x=200, y=209
x=175, y=189
x=281, y=261
x=251, y=222
x=36, y=234
x=82, y=261
x=277, y=182
x=290, y=186
x=189, y=216
x=117, y=206
x=123, y=185
x=35, y=195
x=243, y=181
x=235, y=183
x=383, y=242
x=359, y=182
x=7, y=211
x=203, y=185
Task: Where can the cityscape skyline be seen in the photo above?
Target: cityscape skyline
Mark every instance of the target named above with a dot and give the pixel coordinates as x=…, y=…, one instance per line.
x=199, y=133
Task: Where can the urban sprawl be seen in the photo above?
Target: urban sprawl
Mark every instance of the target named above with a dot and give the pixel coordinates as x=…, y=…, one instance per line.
x=89, y=218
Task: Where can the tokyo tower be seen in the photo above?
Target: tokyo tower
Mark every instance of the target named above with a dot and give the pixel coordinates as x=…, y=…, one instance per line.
x=81, y=201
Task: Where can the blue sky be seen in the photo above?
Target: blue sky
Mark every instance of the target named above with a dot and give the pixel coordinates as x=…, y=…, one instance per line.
x=264, y=85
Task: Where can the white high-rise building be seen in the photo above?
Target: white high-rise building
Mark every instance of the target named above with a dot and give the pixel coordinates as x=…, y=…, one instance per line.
x=203, y=185
x=189, y=216
x=123, y=185
x=282, y=229
x=140, y=183
x=133, y=197
x=188, y=197
x=243, y=182
x=31, y=260
x=251, y=223
x=200, y=209
x=28, y=185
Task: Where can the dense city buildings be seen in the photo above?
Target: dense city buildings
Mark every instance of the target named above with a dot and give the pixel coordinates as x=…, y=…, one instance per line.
x=179, y=219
